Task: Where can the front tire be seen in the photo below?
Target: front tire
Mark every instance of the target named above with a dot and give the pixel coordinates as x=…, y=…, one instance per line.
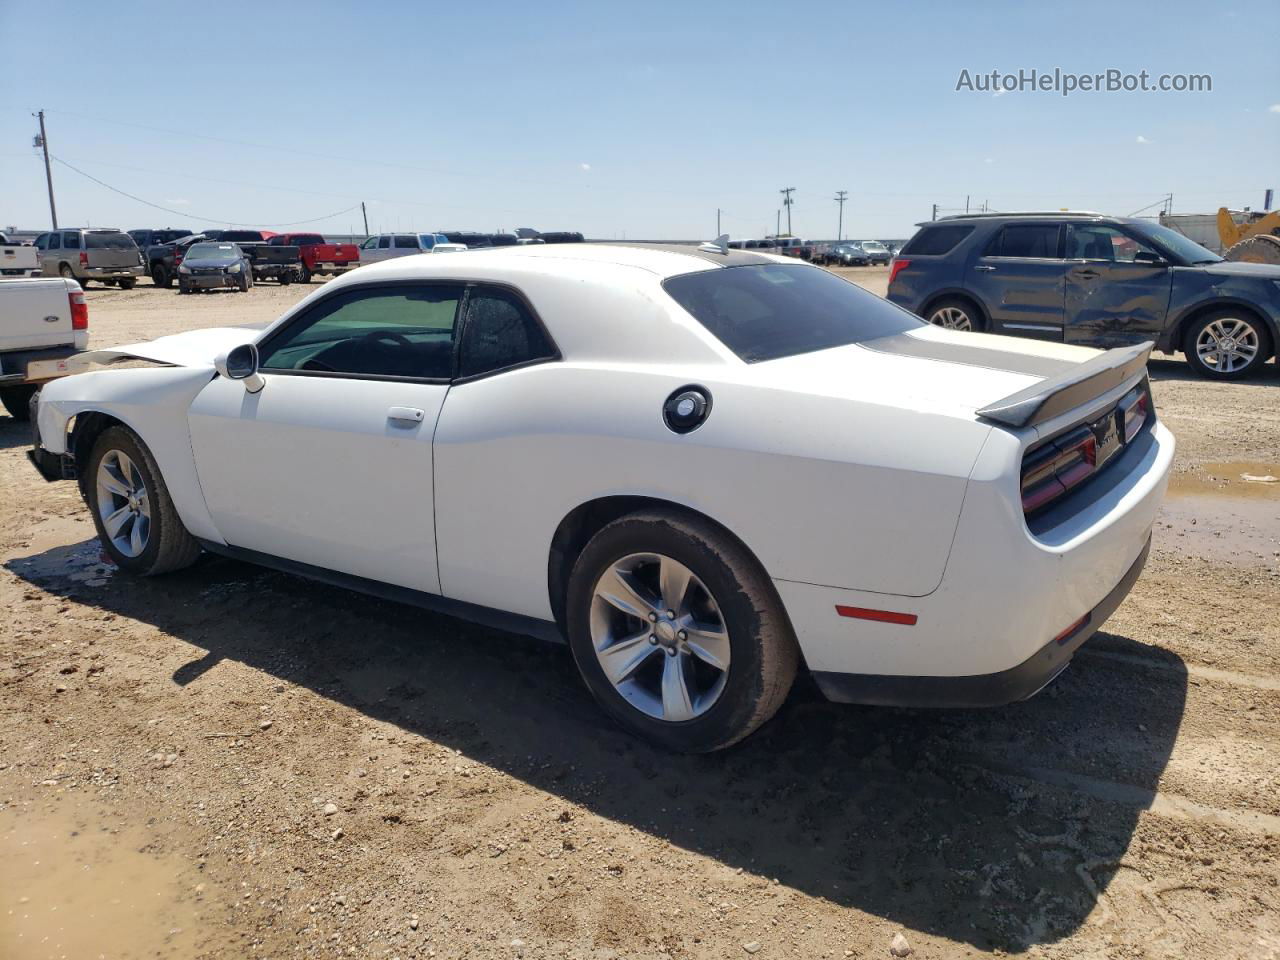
x=304, y=276
x=697, y=681
x=1227, y=345
x=954, y=314
x=135, y=517
x=128, y=283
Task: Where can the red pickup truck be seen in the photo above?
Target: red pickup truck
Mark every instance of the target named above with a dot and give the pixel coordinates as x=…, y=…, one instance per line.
x=318, y=256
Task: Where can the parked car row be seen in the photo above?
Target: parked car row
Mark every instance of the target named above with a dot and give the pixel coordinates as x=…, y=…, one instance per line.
x=852, y=253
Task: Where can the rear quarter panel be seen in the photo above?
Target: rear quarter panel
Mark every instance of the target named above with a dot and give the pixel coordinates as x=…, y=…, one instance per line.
x=822, y=490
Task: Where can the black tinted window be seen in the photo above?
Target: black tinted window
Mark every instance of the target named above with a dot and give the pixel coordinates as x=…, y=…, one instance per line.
x=109, y=241
x=384, y=243
x=500, y=332
x=71, y=240
x=55, y=241
x=776, y=310
x=1037, y=240
x=935, y=241
x=406, y=242
x=399, y=331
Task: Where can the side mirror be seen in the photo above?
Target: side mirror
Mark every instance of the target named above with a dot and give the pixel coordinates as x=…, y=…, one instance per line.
x=241, y=363
x=1154, y=259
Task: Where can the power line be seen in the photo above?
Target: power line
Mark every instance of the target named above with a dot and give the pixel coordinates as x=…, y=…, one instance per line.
x=191, y=216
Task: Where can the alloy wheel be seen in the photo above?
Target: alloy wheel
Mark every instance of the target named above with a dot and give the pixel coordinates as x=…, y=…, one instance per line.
x=659, y=637
x=1227, y=345
x=953, y=318
x=123, y=503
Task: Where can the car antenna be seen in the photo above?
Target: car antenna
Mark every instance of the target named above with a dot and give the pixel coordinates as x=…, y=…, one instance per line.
x=719, y=245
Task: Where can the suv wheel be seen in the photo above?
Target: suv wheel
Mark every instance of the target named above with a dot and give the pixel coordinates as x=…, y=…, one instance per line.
x=1227, y=344
x=17, y=400
x=954, y=314
x=678, y=633
x=69, y=274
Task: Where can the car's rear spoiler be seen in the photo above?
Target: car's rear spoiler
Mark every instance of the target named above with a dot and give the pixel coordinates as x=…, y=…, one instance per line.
x=1077, y=386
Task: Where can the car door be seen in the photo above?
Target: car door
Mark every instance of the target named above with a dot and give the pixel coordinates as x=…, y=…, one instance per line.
x=51, y=258
x=330, y=463
x=1117, y=287
x=1019, y=276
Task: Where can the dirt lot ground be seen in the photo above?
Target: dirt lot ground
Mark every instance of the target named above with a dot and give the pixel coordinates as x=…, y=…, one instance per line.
x=230, y=762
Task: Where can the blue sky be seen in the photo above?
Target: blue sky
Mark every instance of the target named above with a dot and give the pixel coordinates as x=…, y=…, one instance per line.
x=633, y=120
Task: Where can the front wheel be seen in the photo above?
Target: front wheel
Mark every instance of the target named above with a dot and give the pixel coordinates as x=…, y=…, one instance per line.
x=184, y=287
x=304, y=276
x=135, y=517
x=128, y=283
x=678, y=633
x=1226, y=345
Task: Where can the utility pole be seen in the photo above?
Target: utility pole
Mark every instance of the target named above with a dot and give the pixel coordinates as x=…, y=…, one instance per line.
x=966, y=203
x=778, y=229
x=42, y=141
x=786, y=202
x=934, y=215
x=364, y=214
x=840, y=197
x=717, y=221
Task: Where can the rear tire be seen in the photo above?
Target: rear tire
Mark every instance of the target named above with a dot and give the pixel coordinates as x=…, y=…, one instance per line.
x=128, y=283
x=728, y=601
x=16, y=400
x=953, y=313
x=161, y=277
x=1227, y=344
x=163, y=544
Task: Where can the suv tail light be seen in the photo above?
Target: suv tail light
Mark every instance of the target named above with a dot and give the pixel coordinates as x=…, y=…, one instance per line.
x=84, y=259
x=897, y=267
x=79, y=310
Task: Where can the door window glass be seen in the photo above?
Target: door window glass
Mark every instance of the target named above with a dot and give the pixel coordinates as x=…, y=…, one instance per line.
x=398, y=331
x=71, y=240
x=384, y=243
x=55, y=241
x=1034, y=240
x=1096, y=242
x=500, y=332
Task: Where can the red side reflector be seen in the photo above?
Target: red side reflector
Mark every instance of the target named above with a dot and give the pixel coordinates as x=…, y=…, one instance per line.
x=880, y=616
x=1072, y=630
x=897, y=267
x=79, y=310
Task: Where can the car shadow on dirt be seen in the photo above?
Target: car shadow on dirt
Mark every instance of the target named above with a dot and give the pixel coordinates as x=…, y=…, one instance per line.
x=944, y=822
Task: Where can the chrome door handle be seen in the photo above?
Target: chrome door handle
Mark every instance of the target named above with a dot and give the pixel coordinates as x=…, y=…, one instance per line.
x=984, y=268
x=1086, y=274
x=406, y=414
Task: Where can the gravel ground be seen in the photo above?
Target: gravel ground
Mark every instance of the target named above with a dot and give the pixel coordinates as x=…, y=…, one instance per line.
x=230, y=762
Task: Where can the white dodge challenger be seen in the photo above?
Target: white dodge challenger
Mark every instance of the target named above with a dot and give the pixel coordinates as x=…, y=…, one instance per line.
x=702, y=467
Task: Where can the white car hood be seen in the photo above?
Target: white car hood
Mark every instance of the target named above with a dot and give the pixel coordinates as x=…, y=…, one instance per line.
x=196, y=348
x=928, y=368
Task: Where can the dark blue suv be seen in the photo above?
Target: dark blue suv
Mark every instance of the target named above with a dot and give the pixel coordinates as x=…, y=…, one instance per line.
x=1092, y=280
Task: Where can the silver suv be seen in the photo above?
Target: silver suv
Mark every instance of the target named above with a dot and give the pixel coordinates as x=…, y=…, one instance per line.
x=85, y=254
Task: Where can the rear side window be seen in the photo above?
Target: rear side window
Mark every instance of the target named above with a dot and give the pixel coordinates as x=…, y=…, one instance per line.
x=71, y=240
x=384, y=243
x=778, y=310
x=406, y=242
x=109, y=241
x=1034, y=240
x=935, y=241
x=499, y=332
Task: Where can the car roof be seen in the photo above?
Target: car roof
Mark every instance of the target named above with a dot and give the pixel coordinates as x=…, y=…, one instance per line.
x=662, y=259
x=1027, y=214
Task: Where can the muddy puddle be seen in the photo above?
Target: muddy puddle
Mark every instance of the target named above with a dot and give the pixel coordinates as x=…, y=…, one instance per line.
x=1225, y=511
x=75, y=884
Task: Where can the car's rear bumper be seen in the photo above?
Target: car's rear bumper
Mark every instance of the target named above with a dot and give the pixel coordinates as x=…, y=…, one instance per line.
x=99, y=273
x=981, y=690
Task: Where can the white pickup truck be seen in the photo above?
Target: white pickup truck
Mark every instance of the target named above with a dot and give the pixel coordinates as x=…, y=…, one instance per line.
x=18, y=260
x=44, y=324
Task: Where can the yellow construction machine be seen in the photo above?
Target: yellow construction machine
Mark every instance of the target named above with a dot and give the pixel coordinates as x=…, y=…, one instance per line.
x=1257, y=240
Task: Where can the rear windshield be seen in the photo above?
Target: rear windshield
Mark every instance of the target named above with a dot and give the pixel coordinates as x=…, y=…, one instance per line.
x=935, y=241
x=108, y=241
x=779, y=310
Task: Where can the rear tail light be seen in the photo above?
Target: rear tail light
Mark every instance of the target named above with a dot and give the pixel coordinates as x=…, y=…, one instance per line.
x=1053, y=469
x=84, y=259
x=1135, y=407
x=79, y=310
x=897, y=267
